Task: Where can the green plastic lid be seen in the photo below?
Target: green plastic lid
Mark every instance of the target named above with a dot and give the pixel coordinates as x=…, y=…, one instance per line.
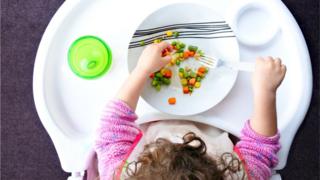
x=89, y=57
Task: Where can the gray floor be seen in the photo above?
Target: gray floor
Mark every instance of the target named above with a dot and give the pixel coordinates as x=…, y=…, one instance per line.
x=27, y=152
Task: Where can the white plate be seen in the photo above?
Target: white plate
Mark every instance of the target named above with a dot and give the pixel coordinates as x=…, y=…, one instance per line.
x=218, y=82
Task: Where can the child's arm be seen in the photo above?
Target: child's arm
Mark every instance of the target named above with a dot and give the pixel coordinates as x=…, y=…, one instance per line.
x=149, y=62
x=118, y=134
x=267, y=77
x=259, y=140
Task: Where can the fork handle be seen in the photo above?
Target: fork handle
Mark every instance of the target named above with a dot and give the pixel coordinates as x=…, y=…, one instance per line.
x=241, y=66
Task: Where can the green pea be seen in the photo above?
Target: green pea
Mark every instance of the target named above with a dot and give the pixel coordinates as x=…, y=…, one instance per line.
x=159, y=75
x=192, y=48
x=181, y=70
x=200, y=52
x=185, y=74
x=176, y=34
x=142, y=43
x=158, y=87
x=193, y=74
x=180, y=51
x=166, y=81
x=154, y=83
x=178, y=62
x=174, y=43
x=198, y=79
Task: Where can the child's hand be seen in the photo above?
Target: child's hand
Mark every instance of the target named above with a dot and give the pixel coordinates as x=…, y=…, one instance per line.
x=151, y=59
x=268, y=75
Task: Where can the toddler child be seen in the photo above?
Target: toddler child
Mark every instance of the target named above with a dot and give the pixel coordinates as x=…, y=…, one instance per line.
x=176, y=149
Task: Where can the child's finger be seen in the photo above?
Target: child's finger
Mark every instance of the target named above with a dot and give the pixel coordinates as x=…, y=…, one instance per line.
x=163, y=44
x=166, y=59
x=278, y=61
x=283, y=68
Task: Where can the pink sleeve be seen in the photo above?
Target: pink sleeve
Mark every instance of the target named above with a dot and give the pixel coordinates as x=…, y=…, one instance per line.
x=116, y=135
x=258, y=152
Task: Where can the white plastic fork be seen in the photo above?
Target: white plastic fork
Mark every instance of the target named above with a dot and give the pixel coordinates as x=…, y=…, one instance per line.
x=211, y=62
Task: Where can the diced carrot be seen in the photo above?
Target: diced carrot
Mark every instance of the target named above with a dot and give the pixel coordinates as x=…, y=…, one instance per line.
x=168, y=73
x=186, y=55
x=163, y=71
x=172, y=100
x=185, y=90
x=202, y=69
x=191, y=53
x=165, y=52
x=192, y=81
x=200, y=74
x=151, y=75
x=170, y=48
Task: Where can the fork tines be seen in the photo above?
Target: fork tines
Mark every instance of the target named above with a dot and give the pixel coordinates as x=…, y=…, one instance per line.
x=200, y=30
x=208, y=61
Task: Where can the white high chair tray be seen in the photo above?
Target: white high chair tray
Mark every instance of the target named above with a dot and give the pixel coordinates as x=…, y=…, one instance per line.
x=69, y=107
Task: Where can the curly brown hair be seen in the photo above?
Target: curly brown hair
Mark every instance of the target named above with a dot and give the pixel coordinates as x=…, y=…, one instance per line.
x=164, y=160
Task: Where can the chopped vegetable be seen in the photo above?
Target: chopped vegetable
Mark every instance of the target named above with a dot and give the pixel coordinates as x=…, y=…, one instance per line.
x=168, y=73
x=166, y=81
x=197, y=84
x=163, y=71
x=176, y=34
x=186, y=55
x=154, y=83
x=178, y=62
x=159, y=75
x=157, y=41
x=142, y=43
x=184, y=82
x=193, y=74
x=169, y=33
x=191, y=53
x=172, y=100
x=185, y=74
x=200, y=52
x=185, y=89
x=192, y=81
x=192, y=48
x=158, y=87
x=202, y=69
x=190, y=88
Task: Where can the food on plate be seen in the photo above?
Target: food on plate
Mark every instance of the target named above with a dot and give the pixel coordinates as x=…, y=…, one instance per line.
x=161, y=77
x=190, y=79
x=180, y=52
x=169, y=33
x=172, y=100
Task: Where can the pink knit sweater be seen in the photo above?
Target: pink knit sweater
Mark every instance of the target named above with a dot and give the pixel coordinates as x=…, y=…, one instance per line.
x=118, y=135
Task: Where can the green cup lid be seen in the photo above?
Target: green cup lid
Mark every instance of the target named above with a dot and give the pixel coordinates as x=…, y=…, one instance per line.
x=89, y=57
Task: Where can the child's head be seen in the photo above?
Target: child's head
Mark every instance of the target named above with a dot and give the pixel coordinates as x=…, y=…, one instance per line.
x=164, y=160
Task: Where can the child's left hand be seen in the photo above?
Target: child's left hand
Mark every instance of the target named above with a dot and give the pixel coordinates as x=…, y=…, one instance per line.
x=151, y=59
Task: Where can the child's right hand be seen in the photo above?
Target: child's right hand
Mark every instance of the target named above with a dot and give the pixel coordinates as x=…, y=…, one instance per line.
x=151, y=59
x=268, y=75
